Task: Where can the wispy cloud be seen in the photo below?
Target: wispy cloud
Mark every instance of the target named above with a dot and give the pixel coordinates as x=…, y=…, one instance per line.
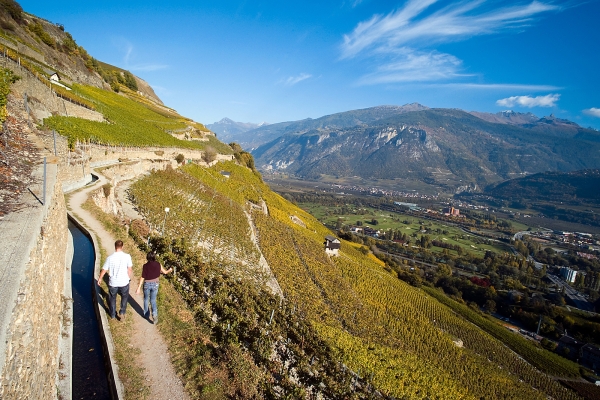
x=408, y=65
x=292, y=80
x=129, y=57
x=401, y=41
x=128, y=51
x=548, y=100
x=594, y=112
x=408, y=25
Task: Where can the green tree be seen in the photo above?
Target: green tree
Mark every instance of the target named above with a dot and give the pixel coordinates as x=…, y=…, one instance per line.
x=130, y=81
x=490, y=306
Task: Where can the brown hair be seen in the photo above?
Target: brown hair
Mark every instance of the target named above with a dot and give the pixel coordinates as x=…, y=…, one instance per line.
x=119, y=244
x=151, y=256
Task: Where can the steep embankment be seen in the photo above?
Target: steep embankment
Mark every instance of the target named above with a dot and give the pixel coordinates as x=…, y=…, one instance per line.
x=394, y=337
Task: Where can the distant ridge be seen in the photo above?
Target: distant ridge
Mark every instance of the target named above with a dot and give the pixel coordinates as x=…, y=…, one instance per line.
x=572, y=187
x=449, y=148
x=252, y=139
x=230, y=130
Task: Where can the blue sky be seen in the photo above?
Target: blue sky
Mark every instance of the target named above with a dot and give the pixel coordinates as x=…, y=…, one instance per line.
x=273, y=61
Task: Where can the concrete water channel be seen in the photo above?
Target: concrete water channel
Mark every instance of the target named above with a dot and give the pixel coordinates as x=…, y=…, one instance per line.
x=89, y=371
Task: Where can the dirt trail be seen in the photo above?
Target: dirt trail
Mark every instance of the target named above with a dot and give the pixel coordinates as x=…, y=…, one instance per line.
x=154, y=357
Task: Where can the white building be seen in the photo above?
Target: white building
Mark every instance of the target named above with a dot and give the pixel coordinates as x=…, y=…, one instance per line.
x=332, y=245
x=568, y=274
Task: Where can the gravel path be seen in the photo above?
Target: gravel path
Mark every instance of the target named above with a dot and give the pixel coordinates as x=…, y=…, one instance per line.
x=155, y=359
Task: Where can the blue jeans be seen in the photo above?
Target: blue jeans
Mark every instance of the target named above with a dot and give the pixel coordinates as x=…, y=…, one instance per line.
x=150, y=292
x=112, y=299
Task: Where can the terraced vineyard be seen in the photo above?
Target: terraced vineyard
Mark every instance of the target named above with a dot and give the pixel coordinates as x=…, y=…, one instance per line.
x=198, y=213
x=128, y=123
x=398, y=338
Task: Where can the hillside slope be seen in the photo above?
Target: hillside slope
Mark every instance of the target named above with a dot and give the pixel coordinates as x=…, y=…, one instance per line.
x=578, y=187
x=392, y=337
x=49, y=48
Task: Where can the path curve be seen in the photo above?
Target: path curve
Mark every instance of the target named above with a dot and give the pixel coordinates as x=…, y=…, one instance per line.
x=154, y=357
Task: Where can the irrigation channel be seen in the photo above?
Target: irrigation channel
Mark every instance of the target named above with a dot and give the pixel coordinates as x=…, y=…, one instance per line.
x=89, y=370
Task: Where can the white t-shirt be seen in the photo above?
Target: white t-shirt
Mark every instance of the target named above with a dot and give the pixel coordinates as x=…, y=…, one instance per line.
x=117, y=265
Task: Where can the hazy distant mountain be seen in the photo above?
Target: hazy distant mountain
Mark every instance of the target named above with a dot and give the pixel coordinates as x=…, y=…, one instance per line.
x=446, y=147
x=231, y=131
x=264, y=134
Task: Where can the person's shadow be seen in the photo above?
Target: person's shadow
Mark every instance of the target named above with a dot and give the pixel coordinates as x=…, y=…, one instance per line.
x=134, y=304
x=102, y=297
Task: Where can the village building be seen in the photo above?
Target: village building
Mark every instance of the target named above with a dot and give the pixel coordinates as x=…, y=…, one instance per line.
x=55, y=80
x=356, y=229
x=451, y=211
x=569, y=347
x=332, y=245
x=568, y=274
x=589, y=356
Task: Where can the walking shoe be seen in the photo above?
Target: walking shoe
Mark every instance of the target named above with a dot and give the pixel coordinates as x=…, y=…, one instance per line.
x=155, y=319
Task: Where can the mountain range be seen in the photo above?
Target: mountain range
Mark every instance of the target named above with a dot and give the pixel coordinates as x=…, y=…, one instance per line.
x=450, y=148
x=232, y=131
x=253, y=138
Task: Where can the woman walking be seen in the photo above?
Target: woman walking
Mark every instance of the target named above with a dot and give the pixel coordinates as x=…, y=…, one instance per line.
x=150, y=274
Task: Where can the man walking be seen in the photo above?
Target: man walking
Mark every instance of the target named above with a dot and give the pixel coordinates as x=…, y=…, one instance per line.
x=120, y=271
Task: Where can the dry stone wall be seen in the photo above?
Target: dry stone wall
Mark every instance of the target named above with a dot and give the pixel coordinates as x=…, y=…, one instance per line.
x=32, y=339
x=43, y=102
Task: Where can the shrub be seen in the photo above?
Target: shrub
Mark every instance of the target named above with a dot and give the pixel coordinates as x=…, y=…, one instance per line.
x=38, y=29
x=180, y=158
x=69, y=44
x=235, y=147
x=210, y=155
x=245, y=159
x=7, y=26
x=139, y=230
x=13, y=9
x=130, y=81
x=106, y=189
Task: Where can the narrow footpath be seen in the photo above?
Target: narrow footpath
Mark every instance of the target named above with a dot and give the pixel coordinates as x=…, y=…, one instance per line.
x=154, y=356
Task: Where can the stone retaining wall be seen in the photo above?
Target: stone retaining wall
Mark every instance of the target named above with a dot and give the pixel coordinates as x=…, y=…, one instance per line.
x=31, y=351
x=43, y=102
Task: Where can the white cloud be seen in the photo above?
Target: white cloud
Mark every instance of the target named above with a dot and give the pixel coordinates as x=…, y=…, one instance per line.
x=408, y=25
x=401, y=41
x=292, y=80
x=548, y=100
x=594, y=112
x=408, y=65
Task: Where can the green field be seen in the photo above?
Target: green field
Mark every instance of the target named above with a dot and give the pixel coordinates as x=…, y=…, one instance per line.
x=435, y=230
